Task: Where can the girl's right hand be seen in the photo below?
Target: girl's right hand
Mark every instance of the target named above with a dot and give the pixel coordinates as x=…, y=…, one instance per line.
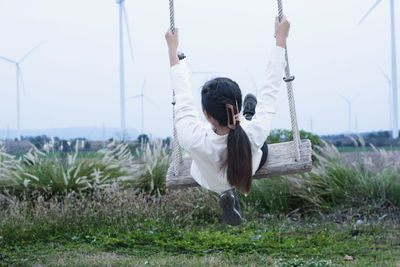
x=172, y=40
x=281, y=31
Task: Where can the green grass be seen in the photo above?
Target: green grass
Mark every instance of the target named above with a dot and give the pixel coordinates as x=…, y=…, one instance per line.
x=343, y=207
x=250, y=244
x=89, y=256
x=121, y=227
x=85, y=255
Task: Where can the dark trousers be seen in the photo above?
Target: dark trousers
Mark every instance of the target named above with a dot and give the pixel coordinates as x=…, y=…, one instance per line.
x=264, y=157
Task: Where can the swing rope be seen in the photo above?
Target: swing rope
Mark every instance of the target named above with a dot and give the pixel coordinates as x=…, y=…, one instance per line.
x=292, y=106
x=176, y=148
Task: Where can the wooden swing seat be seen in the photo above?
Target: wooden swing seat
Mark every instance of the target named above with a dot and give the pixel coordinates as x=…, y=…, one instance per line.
x=281, y=161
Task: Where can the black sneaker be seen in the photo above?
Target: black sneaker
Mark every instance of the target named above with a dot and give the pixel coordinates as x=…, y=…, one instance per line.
x=249, y=106
x=237, y=204
x=230, y=212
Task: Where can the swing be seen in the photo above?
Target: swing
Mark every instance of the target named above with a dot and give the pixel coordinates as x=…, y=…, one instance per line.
x=283, y=158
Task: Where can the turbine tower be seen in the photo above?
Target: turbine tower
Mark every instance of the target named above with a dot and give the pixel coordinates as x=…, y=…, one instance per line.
x=389, y=81
x=142, y=97
x=123, y=17
x=19, y=81
x=395, y=133
x=349, y=103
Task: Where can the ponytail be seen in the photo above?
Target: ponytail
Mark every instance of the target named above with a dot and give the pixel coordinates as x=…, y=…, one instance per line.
x=239, y=162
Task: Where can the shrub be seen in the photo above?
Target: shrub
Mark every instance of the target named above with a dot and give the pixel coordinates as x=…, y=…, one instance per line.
x=334, y=181
x=154, y=161
x=57, y=173
x=143, y=139
x=280, y=135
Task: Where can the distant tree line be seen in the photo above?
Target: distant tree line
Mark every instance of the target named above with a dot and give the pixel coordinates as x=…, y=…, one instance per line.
x=61, y=145
x=378, y=139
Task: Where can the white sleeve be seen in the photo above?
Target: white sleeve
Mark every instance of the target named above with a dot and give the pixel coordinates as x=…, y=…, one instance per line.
x=188, y=124
x=260, y=125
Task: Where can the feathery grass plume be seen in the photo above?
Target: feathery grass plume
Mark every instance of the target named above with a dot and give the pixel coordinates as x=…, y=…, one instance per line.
x=336, y=179
x=154, y=161
x=54, y=175
x=355, y=143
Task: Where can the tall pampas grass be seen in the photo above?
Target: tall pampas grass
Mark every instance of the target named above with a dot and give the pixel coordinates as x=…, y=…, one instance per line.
x=52, y=172
x=337, y=179
x=154, y=161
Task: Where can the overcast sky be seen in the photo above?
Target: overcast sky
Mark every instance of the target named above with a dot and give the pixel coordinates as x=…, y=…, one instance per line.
x=73, y=78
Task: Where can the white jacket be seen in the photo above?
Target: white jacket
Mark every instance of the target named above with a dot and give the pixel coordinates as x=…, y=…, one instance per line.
x=209, y=150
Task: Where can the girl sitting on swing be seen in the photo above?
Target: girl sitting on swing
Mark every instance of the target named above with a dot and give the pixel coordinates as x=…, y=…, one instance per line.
x=227, y=154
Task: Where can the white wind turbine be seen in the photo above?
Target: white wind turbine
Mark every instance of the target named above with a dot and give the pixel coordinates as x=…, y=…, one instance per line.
x=349, y=102
x=19, y=81
x=123, y=17
x=143, y=97
x=389, y=81
x=395, y=133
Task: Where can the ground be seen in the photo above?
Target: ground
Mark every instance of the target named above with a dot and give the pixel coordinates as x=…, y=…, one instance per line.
x=277, y=242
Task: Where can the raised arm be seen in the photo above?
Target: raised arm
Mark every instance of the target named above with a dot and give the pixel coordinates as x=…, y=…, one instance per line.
x=260, y=126
x=173, y=42
x=188, y=124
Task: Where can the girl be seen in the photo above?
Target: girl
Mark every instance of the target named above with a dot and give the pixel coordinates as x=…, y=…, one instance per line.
x=227, y=154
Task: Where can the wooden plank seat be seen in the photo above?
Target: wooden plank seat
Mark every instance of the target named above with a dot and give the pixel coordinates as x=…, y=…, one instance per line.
x=281, y=161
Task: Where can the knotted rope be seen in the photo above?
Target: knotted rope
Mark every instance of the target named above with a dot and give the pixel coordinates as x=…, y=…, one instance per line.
x=176, y=148
x=292, y=106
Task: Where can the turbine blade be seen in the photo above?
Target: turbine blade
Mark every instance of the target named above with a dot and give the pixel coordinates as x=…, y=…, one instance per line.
x=152, y=102
x=203, y=72
x=21, y=77
x=144, y=83
x=253, y=81
x=198, y=72
x=30, y=52
x=8, y=60
x=369, y=12
x=125, y=15
x=134, y=97
x=345, y=98
x=385, y=75
x=189, y=66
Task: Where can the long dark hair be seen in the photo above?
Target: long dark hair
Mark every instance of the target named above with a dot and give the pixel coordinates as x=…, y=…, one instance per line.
x=222, y=99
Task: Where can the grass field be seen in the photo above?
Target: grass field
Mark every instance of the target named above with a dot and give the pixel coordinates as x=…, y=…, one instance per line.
x=325, y=245
x=80, y=210
x=118, y=230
